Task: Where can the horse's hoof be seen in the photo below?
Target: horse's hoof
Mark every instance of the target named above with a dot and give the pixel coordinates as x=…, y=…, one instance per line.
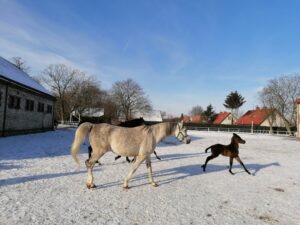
x=89, y=186
x=154, y=184
x=125, y=188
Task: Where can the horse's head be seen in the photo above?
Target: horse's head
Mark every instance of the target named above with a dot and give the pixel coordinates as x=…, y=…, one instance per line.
x=181, y=133
x=237, y=139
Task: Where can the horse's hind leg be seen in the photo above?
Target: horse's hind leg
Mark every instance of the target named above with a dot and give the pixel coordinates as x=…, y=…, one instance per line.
x=137, y=163
x=149, y=168
x=240, y=161
x=96, y=154
x=207, y=159
x=90, y=153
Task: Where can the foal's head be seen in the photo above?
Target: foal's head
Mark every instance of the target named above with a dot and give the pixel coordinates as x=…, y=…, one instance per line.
x=237, y=139
x=181, y=133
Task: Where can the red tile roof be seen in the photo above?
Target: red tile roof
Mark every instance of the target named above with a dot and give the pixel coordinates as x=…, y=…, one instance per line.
x=197, y=119
x=298, y=101
x=186, y=119
x=256, y=116
x=221, y=117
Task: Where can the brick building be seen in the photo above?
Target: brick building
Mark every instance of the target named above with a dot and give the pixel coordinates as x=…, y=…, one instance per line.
x=25, y=105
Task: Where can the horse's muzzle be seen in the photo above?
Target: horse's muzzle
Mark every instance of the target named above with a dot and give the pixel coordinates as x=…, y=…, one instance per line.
x=187, y=140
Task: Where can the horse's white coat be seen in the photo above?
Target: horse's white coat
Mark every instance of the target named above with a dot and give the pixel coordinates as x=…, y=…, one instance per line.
x=139, y=142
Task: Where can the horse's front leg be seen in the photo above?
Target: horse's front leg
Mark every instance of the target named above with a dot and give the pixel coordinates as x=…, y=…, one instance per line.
x=149, y=167
x=240, y=161
x=137, y=163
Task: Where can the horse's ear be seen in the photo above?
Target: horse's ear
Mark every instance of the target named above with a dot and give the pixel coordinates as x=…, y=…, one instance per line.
x=234, y=134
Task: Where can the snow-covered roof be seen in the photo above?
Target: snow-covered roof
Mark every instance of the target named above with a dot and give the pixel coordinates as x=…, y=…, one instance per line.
x=90, y=112
x=12, y=73
x=153, y=116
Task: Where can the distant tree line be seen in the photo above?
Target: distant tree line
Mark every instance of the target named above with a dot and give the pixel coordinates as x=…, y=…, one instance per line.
x=77, y=91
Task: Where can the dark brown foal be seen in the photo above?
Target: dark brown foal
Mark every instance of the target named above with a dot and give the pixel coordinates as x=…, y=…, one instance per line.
x=231, y=150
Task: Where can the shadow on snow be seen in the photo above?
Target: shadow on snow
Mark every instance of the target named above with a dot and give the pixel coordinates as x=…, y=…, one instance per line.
x=183, y=171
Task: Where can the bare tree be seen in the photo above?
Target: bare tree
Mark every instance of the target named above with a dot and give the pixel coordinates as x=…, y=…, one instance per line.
x=84, y=93
x=60, y=79
x=196, y=110
x=130, y=98
x=280, y=94
x=20, y=63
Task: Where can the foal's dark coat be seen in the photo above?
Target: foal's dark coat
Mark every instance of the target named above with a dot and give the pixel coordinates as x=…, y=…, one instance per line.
x=128, y=123
x=231, y=150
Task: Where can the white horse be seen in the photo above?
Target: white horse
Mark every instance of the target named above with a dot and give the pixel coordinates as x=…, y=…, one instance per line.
x=138, y=142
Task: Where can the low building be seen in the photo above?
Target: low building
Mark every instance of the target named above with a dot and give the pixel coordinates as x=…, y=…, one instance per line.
x=152, y=116
x=298, y=117
x=186, y=119
x=197, y=119
x=224, y=118
x=25, y=105
x=88, y=112
x=261, y=117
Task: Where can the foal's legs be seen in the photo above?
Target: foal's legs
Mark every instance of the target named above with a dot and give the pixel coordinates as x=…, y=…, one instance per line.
x=90, y=164
x=149, y=167
x=240, y=161
x=117, y=157
x=207, y=159
x=230, y=165
x=137, y=163
x=156, y=155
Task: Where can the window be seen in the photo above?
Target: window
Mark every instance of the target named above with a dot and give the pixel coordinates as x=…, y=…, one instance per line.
x=41, y=107
x=29, y=105
x=14, y=102
x=49, y=108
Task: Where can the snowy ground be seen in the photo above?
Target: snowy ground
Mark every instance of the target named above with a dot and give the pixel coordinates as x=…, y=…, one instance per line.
x=40, y=184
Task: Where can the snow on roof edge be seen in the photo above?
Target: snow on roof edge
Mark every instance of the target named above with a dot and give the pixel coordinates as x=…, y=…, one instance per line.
x=10, y=72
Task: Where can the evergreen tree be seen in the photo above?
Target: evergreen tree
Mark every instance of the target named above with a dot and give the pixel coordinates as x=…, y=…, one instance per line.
x=234, y=101
x=209, y=114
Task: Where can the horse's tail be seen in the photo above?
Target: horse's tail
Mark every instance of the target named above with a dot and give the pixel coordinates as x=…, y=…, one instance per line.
x=80, y=135
x=207, y=149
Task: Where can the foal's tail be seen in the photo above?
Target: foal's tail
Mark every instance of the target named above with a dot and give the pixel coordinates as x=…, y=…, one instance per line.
x=207, y=149
x=80, y=135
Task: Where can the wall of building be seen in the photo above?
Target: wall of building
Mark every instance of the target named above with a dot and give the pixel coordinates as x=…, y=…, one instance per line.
x=21, y=120
x=228, y=120
x=298, y=120
x=2, y=103
x=278, y=122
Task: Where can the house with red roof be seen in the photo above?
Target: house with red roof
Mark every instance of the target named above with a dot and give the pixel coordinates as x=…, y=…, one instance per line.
x=197, y=119
x=224, y=118
x=298, y=117
x=261, y=117
x=186, y=119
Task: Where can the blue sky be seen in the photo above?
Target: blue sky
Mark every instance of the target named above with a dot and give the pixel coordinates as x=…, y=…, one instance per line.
x=183, y=53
